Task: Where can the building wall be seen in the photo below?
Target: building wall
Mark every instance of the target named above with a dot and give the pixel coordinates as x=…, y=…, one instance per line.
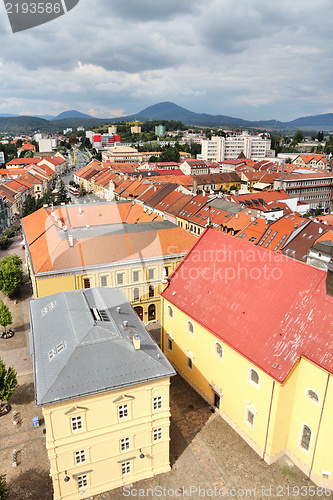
x=100, y=435
x=108, y=276
x=279, y=411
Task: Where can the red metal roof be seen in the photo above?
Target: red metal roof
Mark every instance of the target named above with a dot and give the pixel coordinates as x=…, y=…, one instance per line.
x=269, y=308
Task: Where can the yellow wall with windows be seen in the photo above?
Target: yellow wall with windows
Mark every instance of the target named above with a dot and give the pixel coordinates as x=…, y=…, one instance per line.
x=100, y=439
x=109, y=276
x=279, y=410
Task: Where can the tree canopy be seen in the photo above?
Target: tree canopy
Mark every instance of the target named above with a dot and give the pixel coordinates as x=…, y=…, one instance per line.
x=8, y=382
x=11, y=273
x=5, y=315
x=3, y=487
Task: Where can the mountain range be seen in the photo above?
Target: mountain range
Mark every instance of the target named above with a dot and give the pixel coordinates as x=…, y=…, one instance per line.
x=161, y=111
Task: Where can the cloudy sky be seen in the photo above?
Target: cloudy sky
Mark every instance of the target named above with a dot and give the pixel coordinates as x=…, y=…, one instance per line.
x=253, y=59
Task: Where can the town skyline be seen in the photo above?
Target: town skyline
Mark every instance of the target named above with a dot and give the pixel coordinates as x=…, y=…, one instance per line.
x=260, y=62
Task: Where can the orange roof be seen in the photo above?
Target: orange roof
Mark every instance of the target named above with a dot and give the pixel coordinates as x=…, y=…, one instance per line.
x=253, y=231
x=277, y=233
x=105, y=242
x=238, y=221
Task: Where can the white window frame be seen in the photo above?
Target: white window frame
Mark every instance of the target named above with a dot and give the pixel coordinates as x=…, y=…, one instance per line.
x=217, y=355
x=306, y=394
x=151, y=274
x=120, y=278
x=170, y=313
x=189, y=362
x=136, y=293
x=170, y=344
x=125, y=444
x=249, y=378
x=123, y=411
x=300, y=439
x=157, y=403
x=157, y=434
x=134, y=274
x=82, y=481
x=126, y=468
x=104, y=277
x=80, y=457
x=188, y=328
x=76, y=423
x=250, y=409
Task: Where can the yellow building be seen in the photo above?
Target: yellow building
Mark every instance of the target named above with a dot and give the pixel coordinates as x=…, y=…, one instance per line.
x=251, y=331
x=103, y=385
x=109, y=245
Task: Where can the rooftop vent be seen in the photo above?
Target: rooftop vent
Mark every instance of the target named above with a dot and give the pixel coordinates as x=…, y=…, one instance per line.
x=118, y=309
x=125, y=323
x=65, y=228
x=57, y=350
x=275, y=366
x=70, y=240
x=136, y=342
x=80, y=211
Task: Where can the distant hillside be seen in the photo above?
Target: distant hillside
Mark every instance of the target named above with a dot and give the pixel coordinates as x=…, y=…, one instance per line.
x=161, y=111
x=60, y=125
x=71, y=114
x=21, y=124
x=170, y=111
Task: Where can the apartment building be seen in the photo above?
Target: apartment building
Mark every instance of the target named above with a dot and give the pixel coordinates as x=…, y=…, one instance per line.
x=218, y=149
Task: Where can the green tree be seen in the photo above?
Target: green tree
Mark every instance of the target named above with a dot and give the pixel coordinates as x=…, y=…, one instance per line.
x=62, y=196
x=8, y=383
x=298, y=137
x=3, y=487
x=288, y=160
x=29, y=206
x=5, y=315
x=320, y=136
x=319, y=209
x=11, y=273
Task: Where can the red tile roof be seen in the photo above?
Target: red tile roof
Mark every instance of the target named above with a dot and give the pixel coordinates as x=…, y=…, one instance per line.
x=274, y=310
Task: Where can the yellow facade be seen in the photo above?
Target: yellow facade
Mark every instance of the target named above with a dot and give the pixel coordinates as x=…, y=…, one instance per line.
x=97, y=444
x=143, y=294
x=292, y=418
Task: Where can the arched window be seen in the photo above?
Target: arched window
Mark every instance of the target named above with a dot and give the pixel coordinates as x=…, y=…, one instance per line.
x=311, y=394
x=190, y=328
x=253, y=377
x=151, y=312
x=151, y=291
x=305, y=437
x=136, y=294
x=218, y=350
x=170, y=312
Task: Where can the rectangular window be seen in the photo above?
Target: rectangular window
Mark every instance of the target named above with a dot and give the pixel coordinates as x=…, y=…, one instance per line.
x=151, y=273
x=104, y=281
x=189, y=363
x=166, y=270
x=125, y=444
x=157, y=434
x=249, y=418
x=170, y=345
x=122, y=411
x=126, y=468
x=82, y=481
x=86, y=282
x=120, y=279
x=76, y=423
x=157, y=403
x=80, y=457
x=135, y=276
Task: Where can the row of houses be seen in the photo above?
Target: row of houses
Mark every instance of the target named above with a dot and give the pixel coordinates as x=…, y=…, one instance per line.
x=24, y=176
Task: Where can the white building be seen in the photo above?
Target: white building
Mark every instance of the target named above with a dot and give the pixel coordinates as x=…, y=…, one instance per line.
x=222, y=148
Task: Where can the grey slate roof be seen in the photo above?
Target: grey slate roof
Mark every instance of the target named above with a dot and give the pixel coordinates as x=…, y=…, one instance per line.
x=77, y=353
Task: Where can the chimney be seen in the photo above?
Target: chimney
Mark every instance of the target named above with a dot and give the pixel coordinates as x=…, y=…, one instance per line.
x=80, y=211
x=329, y=279
x=70, y=240
x=136, y=342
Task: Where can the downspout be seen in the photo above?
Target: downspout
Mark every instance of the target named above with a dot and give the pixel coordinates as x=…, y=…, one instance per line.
x=162, y=323
x=269, y=419
x=320, y=418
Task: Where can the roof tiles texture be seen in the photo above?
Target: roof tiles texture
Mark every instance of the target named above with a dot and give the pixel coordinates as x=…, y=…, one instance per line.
x=273, y=310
